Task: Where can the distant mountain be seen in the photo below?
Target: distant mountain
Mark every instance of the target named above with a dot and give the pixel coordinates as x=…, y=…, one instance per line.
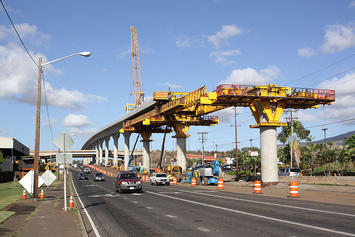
x=338, y=140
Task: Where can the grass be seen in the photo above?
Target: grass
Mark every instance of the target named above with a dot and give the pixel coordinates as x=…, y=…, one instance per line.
x=4, y=215
x=32, y=214
x=9, y=192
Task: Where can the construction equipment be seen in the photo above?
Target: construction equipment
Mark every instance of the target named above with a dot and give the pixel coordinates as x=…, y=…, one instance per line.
x=208, y=173
x=174, y=171
x=131, y=156
x=136, y=71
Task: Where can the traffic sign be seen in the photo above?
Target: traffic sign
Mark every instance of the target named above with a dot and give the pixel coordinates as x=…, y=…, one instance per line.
x=60, y=158
x=63, y=141
x=48, y=177
x=27, y=181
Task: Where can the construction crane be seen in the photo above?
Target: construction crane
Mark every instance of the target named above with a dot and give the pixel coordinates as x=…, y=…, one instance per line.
x=136, y=72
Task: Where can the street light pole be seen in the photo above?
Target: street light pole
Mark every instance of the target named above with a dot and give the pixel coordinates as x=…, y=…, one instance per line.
x=236, y=146
x=38, y=116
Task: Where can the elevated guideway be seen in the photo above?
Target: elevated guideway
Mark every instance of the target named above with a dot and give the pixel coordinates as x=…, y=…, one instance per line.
x=180, y=110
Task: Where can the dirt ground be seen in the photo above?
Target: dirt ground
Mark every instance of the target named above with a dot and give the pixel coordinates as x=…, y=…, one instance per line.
x=343, y=195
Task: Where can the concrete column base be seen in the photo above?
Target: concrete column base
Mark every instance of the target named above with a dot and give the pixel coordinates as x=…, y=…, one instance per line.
x=126, y=149
x=268, y=147
x=146, y=155
x=181, y=152
x=115, y=149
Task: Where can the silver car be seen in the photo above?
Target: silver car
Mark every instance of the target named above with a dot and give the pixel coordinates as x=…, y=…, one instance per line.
x=289, y=172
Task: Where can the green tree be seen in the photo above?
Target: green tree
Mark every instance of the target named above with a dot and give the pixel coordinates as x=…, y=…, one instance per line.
x=350, y=141
x=1, y=159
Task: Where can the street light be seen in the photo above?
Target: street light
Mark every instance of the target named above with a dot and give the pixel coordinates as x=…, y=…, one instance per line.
x=38, y=113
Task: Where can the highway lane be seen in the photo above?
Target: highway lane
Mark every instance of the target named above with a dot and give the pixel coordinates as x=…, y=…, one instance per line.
x=185, y=211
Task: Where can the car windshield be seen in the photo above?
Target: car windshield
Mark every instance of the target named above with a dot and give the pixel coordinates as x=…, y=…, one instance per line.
x=99, y=174
x=128, y=176
x=161, y=175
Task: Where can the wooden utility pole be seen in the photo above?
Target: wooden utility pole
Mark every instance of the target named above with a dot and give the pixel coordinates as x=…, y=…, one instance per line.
x=203, y=140
x=37, y=135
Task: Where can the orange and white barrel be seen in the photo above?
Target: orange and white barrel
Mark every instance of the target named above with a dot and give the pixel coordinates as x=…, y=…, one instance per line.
x=193, y=182
x=220, y=184
x=294, y=189
x=174, y=180
x=257, y=186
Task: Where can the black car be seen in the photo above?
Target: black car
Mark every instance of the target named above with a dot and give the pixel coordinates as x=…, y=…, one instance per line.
x=83, y=176
x=99, y=177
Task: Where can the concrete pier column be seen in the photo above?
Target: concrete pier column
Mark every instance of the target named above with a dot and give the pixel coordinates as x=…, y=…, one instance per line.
x=181, y=152
x=146, y=155
x=100, y=152
x=126, y=149
x=268, y=149
x=115, y=148
x=97, y=153
x=107, y=141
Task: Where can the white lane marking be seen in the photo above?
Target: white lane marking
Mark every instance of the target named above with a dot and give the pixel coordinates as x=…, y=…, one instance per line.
x=150, y=208
x=171, y=192
x=136, y=194
x=86, y=212
x=135, y=202
x=203, y=229
x=171, y=216
x=273, y=204
x=104, y=195
x=255, y=215
x=89, y=185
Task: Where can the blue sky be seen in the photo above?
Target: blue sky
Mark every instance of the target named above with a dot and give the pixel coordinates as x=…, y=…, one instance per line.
x=184, y=45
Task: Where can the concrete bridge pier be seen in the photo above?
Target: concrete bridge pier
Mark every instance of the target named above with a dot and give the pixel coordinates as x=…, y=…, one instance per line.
x=146, y=155
x=97, y=153
x=115, y=148
x=100, y=152
x=181, y=152
x=268, y=148
x=126, y=149
x=107, y=141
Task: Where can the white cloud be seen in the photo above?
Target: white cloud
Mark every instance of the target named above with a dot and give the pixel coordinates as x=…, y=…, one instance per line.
x=76, y=120
x=28, y=33
x=185, y=42
x=352, y=4
x=221, y=37
x=338, y=37
x=227, y=115
x=18, y=77
x=306, y=52
x=82, y=132
x=222, y=56
x=171, y=85
x=343, y=107
x=249, y=76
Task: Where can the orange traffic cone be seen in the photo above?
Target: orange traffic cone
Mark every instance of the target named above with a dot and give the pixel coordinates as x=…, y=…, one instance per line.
x=24, y=194
x=193, y=182
x=257, y=187
x=174, y=180
x=42, y=195
x=71, y=202
x=293, y=189
x=220, y=184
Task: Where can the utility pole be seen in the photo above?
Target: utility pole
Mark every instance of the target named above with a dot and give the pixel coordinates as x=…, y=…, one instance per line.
x=291, y=118
x=236, y=145
x=325, y=135
x=37, y=134
x=203, y=140
x=251, y=142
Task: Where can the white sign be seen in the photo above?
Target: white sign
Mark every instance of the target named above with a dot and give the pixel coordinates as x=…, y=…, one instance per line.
x=60, y=158
x=253, y=153
x=63, y=141
x=48, y=177
x=27, y=181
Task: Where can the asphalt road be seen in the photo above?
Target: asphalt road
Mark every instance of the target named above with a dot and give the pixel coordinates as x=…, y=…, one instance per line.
x=185, y=211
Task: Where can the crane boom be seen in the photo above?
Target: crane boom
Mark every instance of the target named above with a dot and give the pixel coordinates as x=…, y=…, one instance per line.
x=136, y=72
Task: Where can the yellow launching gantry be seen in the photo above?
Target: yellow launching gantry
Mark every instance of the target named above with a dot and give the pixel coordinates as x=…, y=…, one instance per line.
x=180, y=110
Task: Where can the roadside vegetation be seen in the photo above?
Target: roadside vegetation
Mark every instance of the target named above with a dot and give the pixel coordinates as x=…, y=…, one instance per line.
x=9, y=192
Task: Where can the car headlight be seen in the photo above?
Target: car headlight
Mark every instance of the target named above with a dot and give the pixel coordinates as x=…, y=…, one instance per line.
x=139, y=182
x=124, y=182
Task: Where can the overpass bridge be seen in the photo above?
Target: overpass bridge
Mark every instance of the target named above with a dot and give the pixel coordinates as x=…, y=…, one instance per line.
x=177, y=111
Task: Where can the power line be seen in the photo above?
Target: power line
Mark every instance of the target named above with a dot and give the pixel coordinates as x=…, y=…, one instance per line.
x=323, y=68
x=346, y=120
x=18, y=35
x=45, y=99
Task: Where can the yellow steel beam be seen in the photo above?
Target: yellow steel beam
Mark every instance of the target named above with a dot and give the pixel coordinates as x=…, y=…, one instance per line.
x=146, y=135
x=180, y=130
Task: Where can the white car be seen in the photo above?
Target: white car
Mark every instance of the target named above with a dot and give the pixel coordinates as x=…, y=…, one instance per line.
x=159, y=178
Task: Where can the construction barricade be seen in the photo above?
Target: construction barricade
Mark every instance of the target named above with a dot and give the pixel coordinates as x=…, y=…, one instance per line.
x=220, y=184
x=174, y=180
x=293, y=189
x=257, y=187
x=193, y=182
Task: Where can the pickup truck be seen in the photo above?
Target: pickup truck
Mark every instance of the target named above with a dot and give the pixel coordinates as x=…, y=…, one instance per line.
x=159, y=178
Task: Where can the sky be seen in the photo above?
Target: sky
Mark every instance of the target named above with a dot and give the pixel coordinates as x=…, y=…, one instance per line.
x=183, y=45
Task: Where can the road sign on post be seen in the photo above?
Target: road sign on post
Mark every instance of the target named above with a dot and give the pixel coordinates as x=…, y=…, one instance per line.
x=27, y=181
x=64, y=141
